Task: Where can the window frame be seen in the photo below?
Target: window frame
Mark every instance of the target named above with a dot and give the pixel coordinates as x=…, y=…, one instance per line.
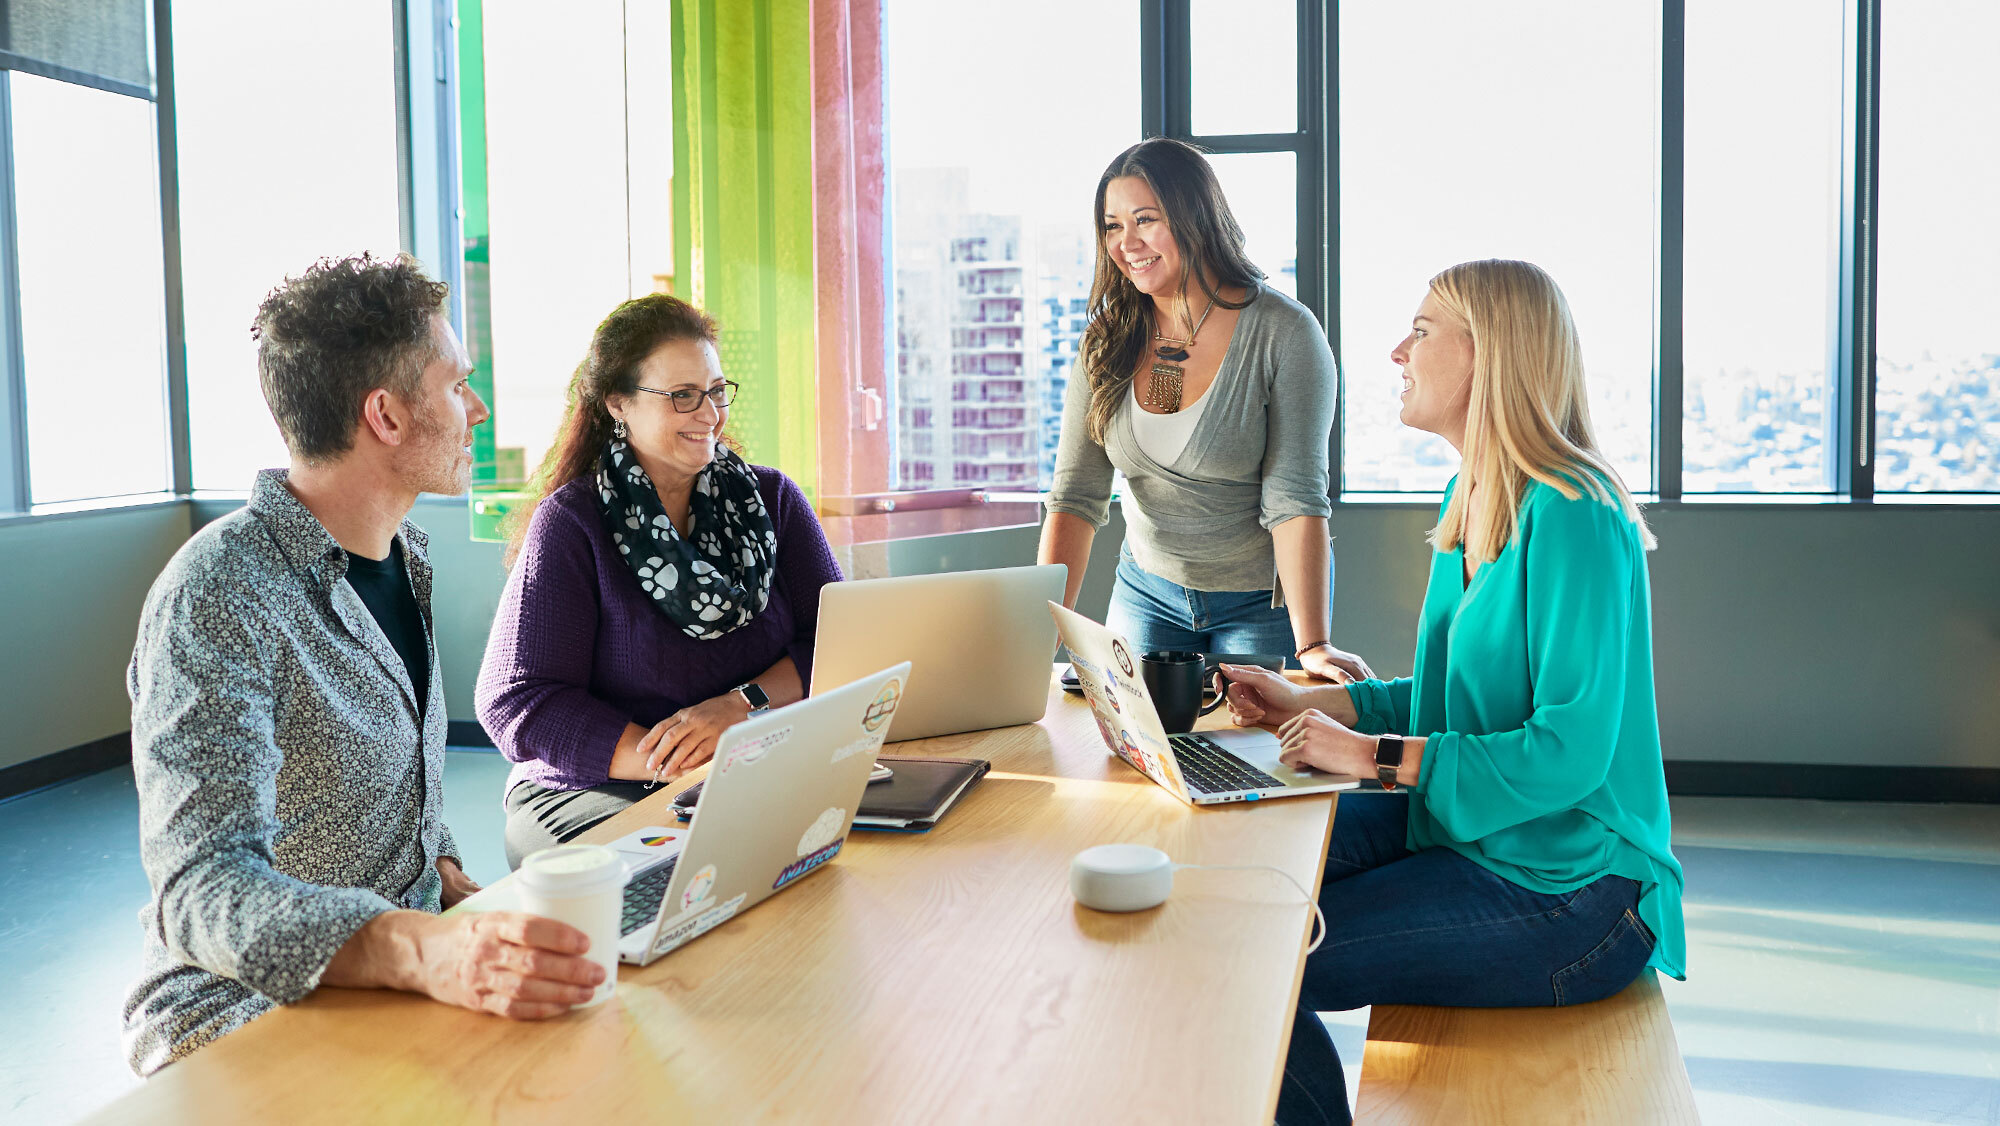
x=1166, y=80
x=1849, y=469
x=16, y=484
x=425, y=58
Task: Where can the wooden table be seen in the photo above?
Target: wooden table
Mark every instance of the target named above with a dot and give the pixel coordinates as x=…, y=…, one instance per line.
x=938, y=977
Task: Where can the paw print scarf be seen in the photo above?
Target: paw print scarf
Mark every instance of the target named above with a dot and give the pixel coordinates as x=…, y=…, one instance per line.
x=716, y=579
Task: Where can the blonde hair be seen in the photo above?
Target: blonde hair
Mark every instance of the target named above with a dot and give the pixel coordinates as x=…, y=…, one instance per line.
x=1528, y=418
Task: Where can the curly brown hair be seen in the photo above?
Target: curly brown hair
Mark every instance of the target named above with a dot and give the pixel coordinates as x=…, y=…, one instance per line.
x=329, y=336
x=623, y=340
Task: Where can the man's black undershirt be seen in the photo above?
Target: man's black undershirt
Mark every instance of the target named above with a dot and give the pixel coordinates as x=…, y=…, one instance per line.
x=384, y=587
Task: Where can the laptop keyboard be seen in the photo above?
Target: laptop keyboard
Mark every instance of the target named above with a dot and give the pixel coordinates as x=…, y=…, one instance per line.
x=643, y=896
x=1211, y=770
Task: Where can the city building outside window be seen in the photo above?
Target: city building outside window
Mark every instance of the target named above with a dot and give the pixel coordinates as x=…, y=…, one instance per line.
x=1938, y=312
x=1518, y=137
x=993, y=244
x=1761, y=248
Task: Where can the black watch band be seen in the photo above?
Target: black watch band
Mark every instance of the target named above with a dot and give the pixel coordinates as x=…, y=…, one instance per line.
x=756, y=697
x=1388, y=759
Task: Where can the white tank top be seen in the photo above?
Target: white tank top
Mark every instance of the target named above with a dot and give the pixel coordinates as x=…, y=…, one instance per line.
x=1163, y=437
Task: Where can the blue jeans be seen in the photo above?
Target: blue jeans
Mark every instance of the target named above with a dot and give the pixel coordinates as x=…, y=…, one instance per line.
x=1155, y=614
x=1433, y=928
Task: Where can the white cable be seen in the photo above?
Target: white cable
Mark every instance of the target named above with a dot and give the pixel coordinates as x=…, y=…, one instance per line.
x=1318, y=915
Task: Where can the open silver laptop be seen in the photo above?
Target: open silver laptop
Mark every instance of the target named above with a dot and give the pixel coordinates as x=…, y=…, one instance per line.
x=777, y=804
x=978, y=642
x=1203, y=767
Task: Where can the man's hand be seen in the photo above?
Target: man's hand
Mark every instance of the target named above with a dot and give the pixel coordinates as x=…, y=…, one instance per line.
x=504, y=962
x=457, y=885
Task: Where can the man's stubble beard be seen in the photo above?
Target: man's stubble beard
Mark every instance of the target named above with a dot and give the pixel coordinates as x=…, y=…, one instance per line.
x=431, y=464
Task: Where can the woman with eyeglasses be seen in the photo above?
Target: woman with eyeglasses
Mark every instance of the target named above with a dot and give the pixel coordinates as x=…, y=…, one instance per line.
x=660, y=588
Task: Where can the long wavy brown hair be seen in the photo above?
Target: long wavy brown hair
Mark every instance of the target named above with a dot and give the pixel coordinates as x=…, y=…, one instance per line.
x=1211, y=246
x=623, y=340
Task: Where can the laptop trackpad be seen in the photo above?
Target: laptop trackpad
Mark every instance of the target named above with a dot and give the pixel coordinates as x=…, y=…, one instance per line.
x=1260, y=749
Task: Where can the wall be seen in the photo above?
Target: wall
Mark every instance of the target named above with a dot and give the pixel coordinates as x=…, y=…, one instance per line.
x=70, y=592
x=1817, y=634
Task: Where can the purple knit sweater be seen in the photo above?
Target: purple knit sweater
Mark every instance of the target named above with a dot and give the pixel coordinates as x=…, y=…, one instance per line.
x=578, y=650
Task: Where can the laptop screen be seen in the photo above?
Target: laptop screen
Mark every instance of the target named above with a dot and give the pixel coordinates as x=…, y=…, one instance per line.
x=1108, y=673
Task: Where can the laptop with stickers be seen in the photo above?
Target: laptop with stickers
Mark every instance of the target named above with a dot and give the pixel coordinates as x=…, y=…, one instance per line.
x=778, y=802
x=1200, y=767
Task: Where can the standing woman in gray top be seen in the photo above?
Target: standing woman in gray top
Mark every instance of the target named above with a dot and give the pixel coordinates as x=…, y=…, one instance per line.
x=1214, y=394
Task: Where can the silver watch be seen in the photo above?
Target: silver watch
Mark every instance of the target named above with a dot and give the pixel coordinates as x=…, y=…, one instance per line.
x=755, y=696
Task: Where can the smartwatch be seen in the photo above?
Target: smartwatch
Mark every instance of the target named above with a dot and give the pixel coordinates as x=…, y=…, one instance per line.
x=757, y=698
x=1388, y=759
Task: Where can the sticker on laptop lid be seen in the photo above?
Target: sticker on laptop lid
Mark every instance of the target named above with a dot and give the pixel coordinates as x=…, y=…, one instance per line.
x=823, y=831
x=699, y=887
x=1123, y=657
x=755, y=749
x=805, y=864
x=866, y=745
x=1129, y=749
x=883, y=705
x=693, y=927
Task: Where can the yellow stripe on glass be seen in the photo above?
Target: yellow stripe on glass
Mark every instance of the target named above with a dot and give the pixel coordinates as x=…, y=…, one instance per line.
x=743, y=211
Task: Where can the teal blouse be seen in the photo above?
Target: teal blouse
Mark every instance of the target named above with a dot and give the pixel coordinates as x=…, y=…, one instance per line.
x=1534, y=688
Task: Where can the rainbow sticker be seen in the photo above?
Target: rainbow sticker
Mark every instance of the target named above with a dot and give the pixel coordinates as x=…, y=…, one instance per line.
x=655, y=842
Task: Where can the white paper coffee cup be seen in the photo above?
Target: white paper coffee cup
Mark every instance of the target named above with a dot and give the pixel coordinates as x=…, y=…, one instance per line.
x=584, y=886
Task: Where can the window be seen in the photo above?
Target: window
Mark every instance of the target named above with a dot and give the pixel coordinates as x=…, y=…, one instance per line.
x=284, y=159
x=993, y=242
x=1469, y=130
x=1262, y=190
x=92, y=290
x=579, y=156
x=1244, y=61
x=1937, y=359
x=1761, y=244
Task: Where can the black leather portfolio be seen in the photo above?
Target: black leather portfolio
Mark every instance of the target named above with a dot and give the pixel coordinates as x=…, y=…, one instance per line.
x=920, y=791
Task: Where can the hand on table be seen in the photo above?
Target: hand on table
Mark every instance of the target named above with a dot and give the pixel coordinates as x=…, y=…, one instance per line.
x=687, y=738
x=1337, y=665
x=508, y=963
x=457, y=885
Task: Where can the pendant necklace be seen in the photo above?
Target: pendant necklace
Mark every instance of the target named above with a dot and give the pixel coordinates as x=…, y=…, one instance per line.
x=1164, y=392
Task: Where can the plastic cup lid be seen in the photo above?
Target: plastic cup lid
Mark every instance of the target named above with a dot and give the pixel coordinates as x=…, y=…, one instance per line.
x=573, y=868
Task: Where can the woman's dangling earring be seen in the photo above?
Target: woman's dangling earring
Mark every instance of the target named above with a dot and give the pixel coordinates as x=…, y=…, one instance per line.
x=618, y=429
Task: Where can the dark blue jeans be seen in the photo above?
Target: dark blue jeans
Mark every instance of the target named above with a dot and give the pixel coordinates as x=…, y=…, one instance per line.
x=1154, y=613
x=1433, y=928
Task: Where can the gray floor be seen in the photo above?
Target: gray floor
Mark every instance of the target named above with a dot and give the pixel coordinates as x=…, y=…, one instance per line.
x=1845, y=957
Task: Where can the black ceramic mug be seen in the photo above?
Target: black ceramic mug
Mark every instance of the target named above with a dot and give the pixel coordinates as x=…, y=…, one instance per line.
x=1178, y=683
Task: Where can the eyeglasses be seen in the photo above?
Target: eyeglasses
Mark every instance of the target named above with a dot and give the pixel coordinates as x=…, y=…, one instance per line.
x=687, y=400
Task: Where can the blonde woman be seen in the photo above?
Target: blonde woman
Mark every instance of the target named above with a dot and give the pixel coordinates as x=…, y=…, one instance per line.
x=1523, y=859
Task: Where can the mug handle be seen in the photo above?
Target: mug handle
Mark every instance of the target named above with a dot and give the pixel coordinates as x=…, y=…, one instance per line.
x=1221, y=693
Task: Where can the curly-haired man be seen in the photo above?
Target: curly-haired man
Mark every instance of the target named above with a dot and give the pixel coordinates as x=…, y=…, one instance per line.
x=288, y=722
